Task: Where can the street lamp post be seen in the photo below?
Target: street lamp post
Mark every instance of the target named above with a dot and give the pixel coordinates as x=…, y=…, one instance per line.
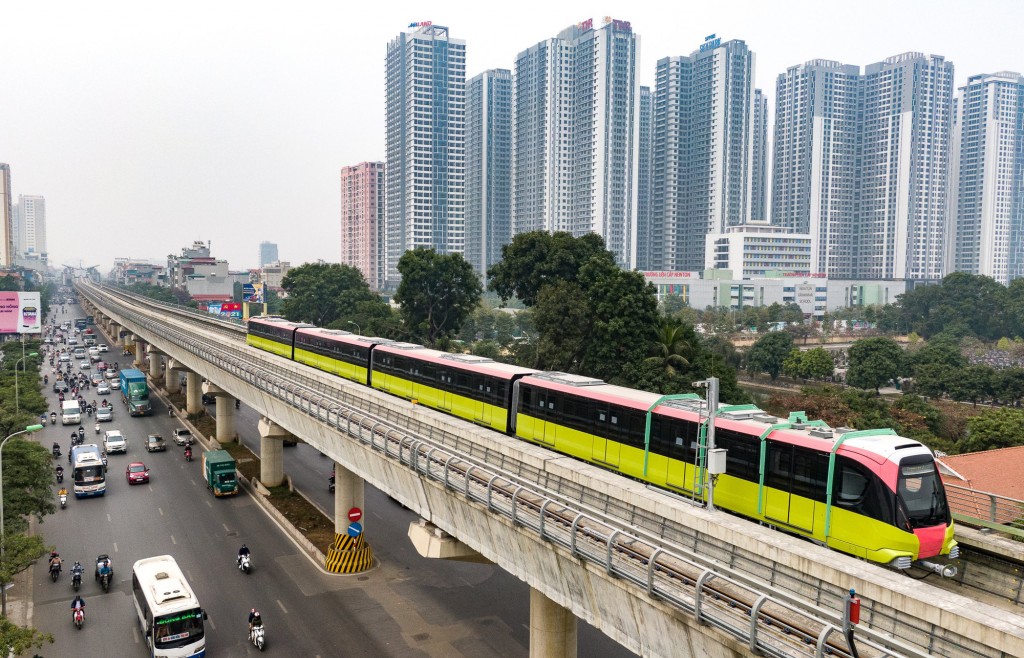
x=359, y=332
x=3, y=536
x=17, y=401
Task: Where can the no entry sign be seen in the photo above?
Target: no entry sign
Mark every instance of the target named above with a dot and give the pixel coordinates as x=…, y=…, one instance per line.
x=355, y=514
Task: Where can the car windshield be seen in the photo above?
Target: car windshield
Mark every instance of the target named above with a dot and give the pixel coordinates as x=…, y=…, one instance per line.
x=920, y=492
x=137, y=469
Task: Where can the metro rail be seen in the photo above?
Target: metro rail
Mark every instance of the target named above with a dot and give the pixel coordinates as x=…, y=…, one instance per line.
x=871, y=493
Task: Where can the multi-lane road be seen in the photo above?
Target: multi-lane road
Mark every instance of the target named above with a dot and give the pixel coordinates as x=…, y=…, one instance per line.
x=406, y=606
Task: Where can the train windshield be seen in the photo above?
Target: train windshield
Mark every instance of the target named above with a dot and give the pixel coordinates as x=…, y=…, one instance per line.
x=921, y=496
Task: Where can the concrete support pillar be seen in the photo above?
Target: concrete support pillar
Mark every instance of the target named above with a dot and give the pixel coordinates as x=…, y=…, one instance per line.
x=172, y=380
x=115, y=334
x=193, y=393
x=272, y=438
x=225, y=418
x=348, y=554
x=552, y=628
x=155, y=363
x=140, y=352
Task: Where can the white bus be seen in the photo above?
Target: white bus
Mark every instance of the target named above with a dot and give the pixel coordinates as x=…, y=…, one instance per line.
x=169, y=611
x=88, y=471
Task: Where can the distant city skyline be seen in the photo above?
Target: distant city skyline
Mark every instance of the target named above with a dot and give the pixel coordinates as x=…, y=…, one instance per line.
x=237, y=124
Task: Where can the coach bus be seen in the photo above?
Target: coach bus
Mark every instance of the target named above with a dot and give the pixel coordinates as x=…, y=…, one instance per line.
x=88, y=470
x=169, y=612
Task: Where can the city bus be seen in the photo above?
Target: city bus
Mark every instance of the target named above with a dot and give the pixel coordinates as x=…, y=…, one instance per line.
x=169, y=612
x=88, y=470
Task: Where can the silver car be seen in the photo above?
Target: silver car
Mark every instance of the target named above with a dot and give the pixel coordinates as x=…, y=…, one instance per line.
x=104, y=414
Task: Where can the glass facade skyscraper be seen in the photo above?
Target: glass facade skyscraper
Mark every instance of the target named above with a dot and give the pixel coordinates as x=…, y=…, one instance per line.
x=268, y=253
x=488, y=167
x=645, y=144
x=759, y=162
x=986, y=205
x=425, y=106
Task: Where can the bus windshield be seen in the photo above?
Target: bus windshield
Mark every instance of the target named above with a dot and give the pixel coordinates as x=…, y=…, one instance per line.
x=88, y=474
x=920, y=493
x=178, y=629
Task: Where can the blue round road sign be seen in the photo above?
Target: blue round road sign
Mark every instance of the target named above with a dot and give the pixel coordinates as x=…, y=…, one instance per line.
x=355, y=529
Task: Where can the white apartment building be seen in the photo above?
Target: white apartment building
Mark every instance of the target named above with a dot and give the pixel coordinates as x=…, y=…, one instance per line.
x=986, y=204
x=575, y=120
x=703, y=150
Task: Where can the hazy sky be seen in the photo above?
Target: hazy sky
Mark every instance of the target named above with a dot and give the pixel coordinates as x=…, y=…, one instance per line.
x=149, y=126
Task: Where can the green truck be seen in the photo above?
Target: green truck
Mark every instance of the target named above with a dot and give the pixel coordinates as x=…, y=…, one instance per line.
x=135, y=392
x=219, y=471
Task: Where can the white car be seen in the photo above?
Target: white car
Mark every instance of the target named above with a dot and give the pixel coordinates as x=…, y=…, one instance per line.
x=103, y=388
x=104, y=414
x=93, y=351
x=102, y=347
x=85, y=365
x=72, y=340
x=64, y=358
x=114, y=441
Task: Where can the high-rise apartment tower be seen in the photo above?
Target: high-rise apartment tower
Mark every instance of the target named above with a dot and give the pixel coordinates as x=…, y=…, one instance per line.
x=488, y=167
x=425, y=107
x=362, y=220
x=575, y=105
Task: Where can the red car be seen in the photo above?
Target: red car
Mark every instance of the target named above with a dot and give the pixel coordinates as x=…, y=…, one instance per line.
x=137, y=473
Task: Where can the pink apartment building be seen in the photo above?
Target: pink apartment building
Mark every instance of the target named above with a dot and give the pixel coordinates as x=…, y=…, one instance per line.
x=362, y=220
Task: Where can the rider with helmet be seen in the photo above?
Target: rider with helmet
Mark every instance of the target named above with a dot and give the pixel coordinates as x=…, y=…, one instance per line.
x=244, y=550
x=254, y=620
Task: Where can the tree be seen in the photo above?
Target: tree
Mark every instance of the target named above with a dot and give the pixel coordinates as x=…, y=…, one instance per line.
x=27, y=476
x=999, y=428
x=15, y=640
x=537, y=258
x=972, y=383
x=562, y=317
x=437, y=293
x=769, y=353
x=673, y=346
x=816, y=363
x=323, y=293
x=874, y=362
x=20, y=551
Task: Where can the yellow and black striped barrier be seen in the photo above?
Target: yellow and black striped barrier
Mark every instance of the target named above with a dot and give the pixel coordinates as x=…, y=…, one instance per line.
x=349, y=554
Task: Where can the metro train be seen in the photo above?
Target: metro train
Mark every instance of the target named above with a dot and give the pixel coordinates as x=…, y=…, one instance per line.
x=870, y=493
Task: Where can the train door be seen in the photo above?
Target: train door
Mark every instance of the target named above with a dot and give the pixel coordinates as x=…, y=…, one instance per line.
x=483, y=411
x=790, y=482
x=442, y=393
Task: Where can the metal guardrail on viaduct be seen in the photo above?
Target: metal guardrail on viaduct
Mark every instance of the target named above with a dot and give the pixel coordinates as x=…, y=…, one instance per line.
x=658, y=576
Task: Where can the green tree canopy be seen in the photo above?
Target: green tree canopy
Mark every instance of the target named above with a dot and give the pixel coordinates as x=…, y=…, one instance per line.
x=998, y=428
x=437, y=293
x=537, y=258
x=815, y=363
x=323, y=293
x=874, y=362
x=769, y=353
x=27, y=475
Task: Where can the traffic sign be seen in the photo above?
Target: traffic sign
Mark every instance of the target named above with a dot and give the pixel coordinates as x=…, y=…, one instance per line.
x=355, y=529
x=355, y=514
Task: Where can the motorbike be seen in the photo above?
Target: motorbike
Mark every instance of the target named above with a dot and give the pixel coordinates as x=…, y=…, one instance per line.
x=60, y=476
x=257, y=637
x=53, y=419
x=76, y=580
x=330, y=485
x=188, y=454
x=97, y=428
x=78, y=616
x=244, y=564
x=56, y=451
x=63, y=501
x=105, y=582
x=54, y=571
x=81, y=435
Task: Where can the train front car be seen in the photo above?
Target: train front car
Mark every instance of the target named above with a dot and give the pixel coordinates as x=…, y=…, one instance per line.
x=922, y=508
x=903, y=520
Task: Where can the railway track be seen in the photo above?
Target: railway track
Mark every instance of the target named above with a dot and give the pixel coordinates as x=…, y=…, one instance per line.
x=779, y=623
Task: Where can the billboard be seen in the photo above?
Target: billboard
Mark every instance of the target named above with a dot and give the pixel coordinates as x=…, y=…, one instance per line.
x=252, y=293
x=20, y=313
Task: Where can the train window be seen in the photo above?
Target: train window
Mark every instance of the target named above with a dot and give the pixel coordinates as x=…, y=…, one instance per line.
x=743, y=453
x=637, y=428
x=859, y=490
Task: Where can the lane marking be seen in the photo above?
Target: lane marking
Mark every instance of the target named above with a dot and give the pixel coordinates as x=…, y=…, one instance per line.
x=108, y=519
x=226, y=528
x=281, y=605
x=193, y=483
x=135, y=634
x=161, y=510
x=173, y=540
x=189, y=574
x=212, y=625
x=209, y=504
x=115, y=546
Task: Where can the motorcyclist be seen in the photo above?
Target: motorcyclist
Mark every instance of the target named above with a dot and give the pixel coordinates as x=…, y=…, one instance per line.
x=77, y=570
x=56, y=447
x=53, y=417
x=78, y=603
x=188, y=452
x=238, y=403
x=97, y=428
x=254, y=620
x=60, y=472
x=103, y=568
x=63, y=492
x=55, y=560
x=244, y=550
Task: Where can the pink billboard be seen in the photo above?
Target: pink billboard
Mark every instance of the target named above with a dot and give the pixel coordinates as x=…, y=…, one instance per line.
x=20, y=313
